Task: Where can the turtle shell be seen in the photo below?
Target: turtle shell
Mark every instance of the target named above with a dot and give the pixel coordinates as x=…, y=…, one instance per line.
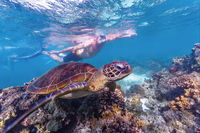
x=61, y=76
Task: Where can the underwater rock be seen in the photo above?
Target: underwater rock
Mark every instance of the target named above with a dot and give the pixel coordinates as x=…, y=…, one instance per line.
x=101, y=112
x=172, y=97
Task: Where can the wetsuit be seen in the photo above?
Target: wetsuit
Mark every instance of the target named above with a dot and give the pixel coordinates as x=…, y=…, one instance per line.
x=71, y=57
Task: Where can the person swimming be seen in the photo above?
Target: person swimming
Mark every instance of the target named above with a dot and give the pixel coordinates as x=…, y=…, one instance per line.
x=87, y=48
x=78, y=52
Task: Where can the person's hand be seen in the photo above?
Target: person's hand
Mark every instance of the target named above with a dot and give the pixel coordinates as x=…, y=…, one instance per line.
x=128, y=33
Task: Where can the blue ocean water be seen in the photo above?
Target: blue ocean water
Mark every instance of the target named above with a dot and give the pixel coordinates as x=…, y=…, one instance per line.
x=165, y=29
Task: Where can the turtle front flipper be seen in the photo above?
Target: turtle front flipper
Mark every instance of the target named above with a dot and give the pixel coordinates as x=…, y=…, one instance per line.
x=111, y=85
x=116, y=88
x=68, y=89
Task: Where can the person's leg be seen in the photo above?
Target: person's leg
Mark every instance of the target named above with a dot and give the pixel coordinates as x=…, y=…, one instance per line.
x=54, y=56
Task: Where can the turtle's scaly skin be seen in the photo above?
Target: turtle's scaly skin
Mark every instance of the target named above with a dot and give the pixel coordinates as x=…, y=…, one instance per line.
x=73, y=80
x=61, y=76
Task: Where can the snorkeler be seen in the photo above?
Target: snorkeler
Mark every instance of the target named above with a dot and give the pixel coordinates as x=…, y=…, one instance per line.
x=87, y=48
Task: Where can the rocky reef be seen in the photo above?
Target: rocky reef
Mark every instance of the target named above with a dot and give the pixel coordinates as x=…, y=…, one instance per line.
x=169, y=102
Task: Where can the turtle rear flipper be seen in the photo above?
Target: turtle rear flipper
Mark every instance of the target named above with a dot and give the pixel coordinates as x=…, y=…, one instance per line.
x=52, y=96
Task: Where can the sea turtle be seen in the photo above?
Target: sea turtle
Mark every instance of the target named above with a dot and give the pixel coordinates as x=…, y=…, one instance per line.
x=73, y=80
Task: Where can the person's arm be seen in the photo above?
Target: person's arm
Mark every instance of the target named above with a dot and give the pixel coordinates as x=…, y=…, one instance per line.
x=121, y=34
x=79, y=46
x=85, y=44
x=62, y=51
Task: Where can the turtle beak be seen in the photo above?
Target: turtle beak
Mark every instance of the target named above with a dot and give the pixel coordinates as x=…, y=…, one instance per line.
x=129, y=69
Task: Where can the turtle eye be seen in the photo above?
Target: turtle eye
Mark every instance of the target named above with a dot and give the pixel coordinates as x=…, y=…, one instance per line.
x=120, y=66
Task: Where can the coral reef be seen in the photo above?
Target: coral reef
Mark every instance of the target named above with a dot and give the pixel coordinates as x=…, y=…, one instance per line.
x=170, y=101
x=189, y=63
x=101, y=112
x=190, y=99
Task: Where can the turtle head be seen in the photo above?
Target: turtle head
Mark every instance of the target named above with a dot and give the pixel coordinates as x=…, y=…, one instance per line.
x=116, y=70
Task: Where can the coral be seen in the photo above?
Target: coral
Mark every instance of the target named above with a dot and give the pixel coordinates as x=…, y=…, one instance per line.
x=2, y=125
x=183, y=81
x=6, y=116
x=188, y=63
x=182, y=103
x=172, y=97
x=119, y=125
x=24, y=131
x=113, y=121
x=190, y=96
x=109, y=110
